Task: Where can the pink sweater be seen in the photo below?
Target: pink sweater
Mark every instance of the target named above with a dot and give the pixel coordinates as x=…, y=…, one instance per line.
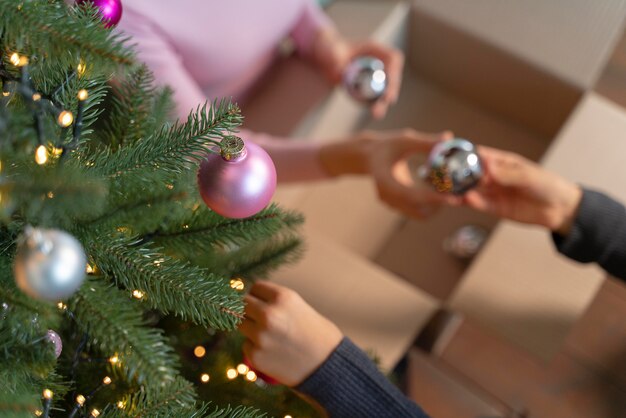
x=206, y=49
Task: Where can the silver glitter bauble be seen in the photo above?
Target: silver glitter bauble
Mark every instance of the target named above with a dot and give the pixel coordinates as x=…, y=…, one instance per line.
x=56, y=341
x=365, y=79
x=453, y=166
x=50, y=264
x=465, y=242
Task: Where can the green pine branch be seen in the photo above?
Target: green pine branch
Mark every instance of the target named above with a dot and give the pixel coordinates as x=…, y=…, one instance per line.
x=115, y=325
x=256, y=261
x=170, y=285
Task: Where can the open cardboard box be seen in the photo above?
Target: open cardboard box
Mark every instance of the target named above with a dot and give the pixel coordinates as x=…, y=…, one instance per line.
x=482, y=72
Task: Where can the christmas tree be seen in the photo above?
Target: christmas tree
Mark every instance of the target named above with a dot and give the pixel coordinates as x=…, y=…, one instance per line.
x=114, y=273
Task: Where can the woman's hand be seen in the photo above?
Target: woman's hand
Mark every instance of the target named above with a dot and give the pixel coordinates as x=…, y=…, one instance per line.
x=383, y=155
x=333, y=53
x=518, y=189
x=285, y=337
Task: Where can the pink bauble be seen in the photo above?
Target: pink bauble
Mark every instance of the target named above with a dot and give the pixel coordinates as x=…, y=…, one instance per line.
x=110, y=10
x=56, y=341
x=237, y=186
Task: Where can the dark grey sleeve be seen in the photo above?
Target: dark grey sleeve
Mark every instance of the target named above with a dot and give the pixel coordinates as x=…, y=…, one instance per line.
x=348, y=385
x=598, y=234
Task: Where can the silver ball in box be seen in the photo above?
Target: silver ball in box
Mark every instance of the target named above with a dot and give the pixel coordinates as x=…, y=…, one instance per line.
x=365, y=79
x=453, y=166
x=50, y=264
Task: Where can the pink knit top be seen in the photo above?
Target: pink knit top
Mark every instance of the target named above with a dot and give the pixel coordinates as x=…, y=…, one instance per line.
x=205, y=49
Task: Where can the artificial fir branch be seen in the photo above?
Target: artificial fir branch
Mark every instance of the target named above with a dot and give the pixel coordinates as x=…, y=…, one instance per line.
x=115, y=325
x=170, y=285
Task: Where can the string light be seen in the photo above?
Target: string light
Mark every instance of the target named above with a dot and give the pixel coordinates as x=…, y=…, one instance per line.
x=82, y=94
x=237, y=284
x=89, y=269
x=50, y=195
x=41, y=155
x=138, y=294
x=231, y=374
x=121, y=405
x=65, y=118
x=251, y=376
x=114, y=359
x=287, y=416
x=95, y=413
x=80, y=400
x=6, y=93
x=62, y=306
x=57, y=151
x=199, y=351
x=38, y=412
x=204, y=378
x=47, y=394
x=242, y=369
x=106, y=380
x=18, y=60
x=81, y=67
x=36, y=97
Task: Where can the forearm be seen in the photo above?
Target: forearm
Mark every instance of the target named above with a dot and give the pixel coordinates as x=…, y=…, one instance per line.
x=598, y=234
x=348, y=384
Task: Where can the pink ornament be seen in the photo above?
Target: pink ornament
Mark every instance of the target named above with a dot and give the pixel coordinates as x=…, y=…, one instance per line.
x=267, y=379
x=110, y=10
x=240, y=181
x=55, y=339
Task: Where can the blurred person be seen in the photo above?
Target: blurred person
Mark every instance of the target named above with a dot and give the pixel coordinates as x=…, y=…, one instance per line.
x=586, y=225
x=291, y=342
x=205, y=50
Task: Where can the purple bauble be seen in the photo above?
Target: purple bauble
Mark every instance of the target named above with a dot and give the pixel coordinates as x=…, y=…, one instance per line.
x=110, y=10
x=55, y=339
x=240, y=181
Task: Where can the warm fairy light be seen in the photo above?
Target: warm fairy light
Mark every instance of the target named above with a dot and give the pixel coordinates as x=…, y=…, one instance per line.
x=237, y=284
x=121, y=404
x=65, y=118
x=80, y=399
x=242, y=369
x=50, y=195
x=82, y=94
x=89, y=269
x=81, y=67
x=41, y=155
x=251, y=376
x=231, y=374
x=204, y=378
x=6, y=93
x=47, y=394
x=138, y=294
x=62, y=306
x=57, y=151
x=36, y=97
x=106, y=380
x=38, y=413
x=18, y=60
x=199, y=351
x=114, y=359
x=95, y=413
x=287, y=416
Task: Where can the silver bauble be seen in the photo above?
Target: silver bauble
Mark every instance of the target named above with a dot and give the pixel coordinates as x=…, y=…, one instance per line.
x=365, y=78
x=453, y=166
x=50, y=264
x=465, y=242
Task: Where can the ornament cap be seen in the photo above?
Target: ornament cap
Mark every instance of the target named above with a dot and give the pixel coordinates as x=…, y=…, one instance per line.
x=232, y=148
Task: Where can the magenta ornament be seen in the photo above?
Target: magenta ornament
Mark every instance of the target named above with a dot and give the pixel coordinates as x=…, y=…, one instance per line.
x=56, y=341
x=110, y=10
x=239, y=181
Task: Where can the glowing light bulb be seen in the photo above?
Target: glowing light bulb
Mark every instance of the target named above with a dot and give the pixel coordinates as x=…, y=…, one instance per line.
x=38, y=413
x=251, y=376
x=114, y=359
x=62, y=306
x=89, y=269
x=287, y=416
x=106, y=380
x=82, y=94
x=47, y=394
x=204, y=378
x=57, y=151
x=121, y=405
x=231, y=374
x=138, y=294
x=237, y=284
x=65, y=118
x=199, y=351
x=80, y=399
x=81, y=67
x=95, y=413
x=36, y=97
x=242, y=369
x=41, y=155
